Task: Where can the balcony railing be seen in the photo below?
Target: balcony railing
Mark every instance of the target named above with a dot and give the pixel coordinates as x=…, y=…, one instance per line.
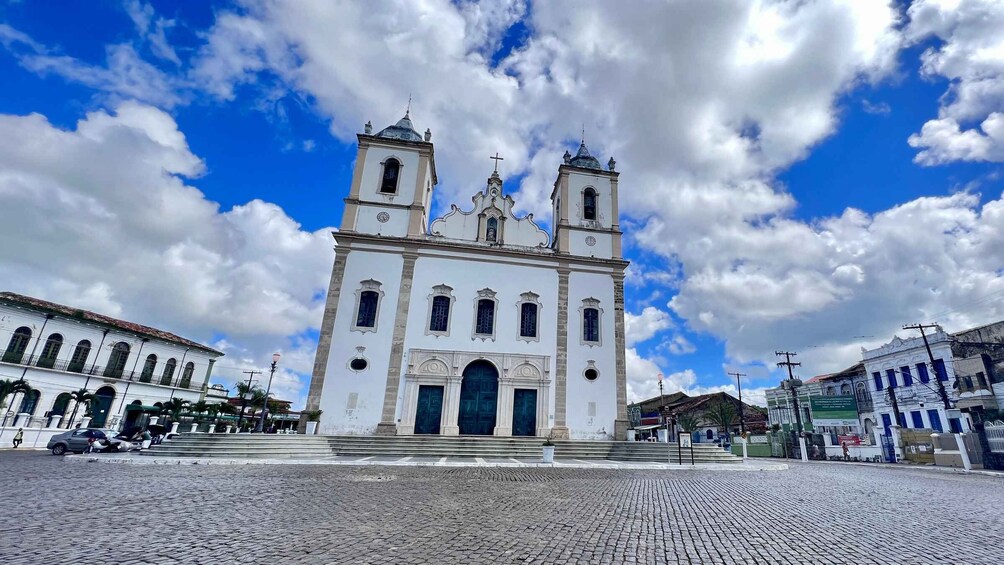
x=70, y=366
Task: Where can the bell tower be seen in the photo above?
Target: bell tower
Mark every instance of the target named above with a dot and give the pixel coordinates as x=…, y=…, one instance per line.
x=392, y=183
x=585, y=206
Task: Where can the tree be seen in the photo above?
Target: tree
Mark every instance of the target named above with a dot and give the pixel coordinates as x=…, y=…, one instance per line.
x=174, y=408
x=78, y=397
x=687, y=421
x=198, y=408
x=722, y=414
x=9, y=387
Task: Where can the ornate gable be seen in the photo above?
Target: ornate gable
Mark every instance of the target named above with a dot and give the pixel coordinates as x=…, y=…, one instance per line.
x=491, y=222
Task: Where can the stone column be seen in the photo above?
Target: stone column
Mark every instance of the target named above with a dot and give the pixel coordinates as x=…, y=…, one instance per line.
x=54, y=422
x=409, y=407
x=387, y=425
x=324, y=338
x=503, y=413
x=451, y=407
x=560, y=429
x=621, y=423
x=543, y=409
x=22, y=420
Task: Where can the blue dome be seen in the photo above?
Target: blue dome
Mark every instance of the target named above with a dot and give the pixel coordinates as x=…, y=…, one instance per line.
x=401, y=130
x=584, y=160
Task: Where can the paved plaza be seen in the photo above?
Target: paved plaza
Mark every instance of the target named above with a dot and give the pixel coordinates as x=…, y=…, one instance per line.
x=57, y=511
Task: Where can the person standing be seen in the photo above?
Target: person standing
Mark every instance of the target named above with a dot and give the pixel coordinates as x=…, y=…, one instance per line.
x=843, y=446
x=18, y=437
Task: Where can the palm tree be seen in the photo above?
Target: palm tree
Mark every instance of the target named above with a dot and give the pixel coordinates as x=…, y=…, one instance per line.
x=199, y=408
x=243, y=390
x=174, y=407
x=722, y=414
x=687, y=421
x=9, y=387
x=79, y=397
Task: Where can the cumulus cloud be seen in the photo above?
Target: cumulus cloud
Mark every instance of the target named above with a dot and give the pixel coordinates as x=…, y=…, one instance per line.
x=969, y=52
x=107, y=220
x=641, y=327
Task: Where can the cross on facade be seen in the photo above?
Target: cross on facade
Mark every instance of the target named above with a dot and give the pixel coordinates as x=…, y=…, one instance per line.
x=497, y=159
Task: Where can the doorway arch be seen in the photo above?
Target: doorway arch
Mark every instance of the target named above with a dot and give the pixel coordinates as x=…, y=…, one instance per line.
x=479, y=392
x=101, y=406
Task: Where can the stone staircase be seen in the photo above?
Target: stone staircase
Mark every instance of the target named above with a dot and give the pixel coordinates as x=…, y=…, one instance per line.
x=258, y=446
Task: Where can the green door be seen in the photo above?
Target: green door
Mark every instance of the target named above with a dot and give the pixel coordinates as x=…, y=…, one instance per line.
x=430, y=409
x=524, y=412
x=478, y=399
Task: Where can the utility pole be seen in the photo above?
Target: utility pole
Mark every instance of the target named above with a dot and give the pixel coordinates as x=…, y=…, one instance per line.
x=244, y=400
x=941, y=385
x=742, y=420
x=792, y=385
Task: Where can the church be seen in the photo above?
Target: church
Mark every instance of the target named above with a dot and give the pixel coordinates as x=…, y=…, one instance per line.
x=478, y=322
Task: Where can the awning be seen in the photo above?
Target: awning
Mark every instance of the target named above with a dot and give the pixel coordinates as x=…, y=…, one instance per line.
x=645, y=428
x=143, y=408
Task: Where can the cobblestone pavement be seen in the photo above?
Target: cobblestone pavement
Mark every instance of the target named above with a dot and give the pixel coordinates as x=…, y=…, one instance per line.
x=55, y=511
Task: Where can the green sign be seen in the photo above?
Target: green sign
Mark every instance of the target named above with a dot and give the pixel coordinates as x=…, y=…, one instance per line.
x=834, y=410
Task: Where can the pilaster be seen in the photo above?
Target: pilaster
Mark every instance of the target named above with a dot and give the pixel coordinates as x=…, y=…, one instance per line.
x=387, y=425
x=621, y=423
x=560, y=429
x=327, y=328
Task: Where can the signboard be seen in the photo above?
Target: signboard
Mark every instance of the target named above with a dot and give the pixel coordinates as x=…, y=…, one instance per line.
x=757, y=439
x=849, y=440
x=685, y=440
x=834, y=410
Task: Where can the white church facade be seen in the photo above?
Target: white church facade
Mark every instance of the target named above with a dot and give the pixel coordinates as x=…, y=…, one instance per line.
x=478, y=322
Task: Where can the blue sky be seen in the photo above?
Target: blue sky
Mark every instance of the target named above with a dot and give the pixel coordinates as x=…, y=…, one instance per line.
x=742, y=149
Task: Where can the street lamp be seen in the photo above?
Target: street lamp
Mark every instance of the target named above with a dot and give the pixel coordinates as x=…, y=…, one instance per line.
x=264, y=408
x=662, y=406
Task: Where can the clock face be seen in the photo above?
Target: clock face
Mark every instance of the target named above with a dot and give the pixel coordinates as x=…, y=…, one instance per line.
x=590, y=241
x=383, y=217
x=495, y=192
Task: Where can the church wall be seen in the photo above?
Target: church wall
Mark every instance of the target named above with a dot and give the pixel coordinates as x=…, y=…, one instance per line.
x=368, y=386
x=370, y=183
x=579, y=244
x=580, y=391
x=577, y=183
x=467, y=277
x=368, y=220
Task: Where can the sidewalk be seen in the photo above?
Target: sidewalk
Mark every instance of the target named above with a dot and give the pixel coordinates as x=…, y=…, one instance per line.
x=953, y=470
x=394, y=461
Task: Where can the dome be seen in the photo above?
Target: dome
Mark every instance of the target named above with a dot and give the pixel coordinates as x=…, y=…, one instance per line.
x=401, y=130
x=584, y=160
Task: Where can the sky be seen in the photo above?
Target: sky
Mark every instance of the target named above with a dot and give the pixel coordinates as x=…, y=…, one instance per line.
x=796, y=176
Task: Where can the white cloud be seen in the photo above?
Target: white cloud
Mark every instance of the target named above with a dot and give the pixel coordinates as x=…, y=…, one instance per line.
x=970, y=54
x=107, y=221
x=642, y=327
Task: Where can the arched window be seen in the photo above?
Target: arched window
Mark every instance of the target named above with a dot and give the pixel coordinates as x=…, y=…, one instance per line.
x=148, y=366
x=590, y=325
x=589, y=204
x=485, y=319
x=845, y=389
x=186, y=375
x=528, y=319
x=17, y=345
x=711, y=434
x=30, y=402
x=117, y=360
x=50, y=351
x=831, y=391
x=79, y=358
x=391, y=172
x=860, y=392
x=366, y=317
x=101, y=406
x=492, y=231
x=439, y=320
x=168, y=375
x=60, y=405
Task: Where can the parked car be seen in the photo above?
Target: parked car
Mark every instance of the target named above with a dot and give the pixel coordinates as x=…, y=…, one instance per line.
x=74, y=440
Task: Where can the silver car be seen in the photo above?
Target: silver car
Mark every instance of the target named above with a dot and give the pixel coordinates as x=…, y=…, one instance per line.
x=74, y=440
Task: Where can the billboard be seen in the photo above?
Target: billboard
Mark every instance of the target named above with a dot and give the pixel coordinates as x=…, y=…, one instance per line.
x=834, y=410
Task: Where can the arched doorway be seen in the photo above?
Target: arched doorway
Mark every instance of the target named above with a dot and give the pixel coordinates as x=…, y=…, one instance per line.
x=133, y=416
x=101, y=406
x=479, y=393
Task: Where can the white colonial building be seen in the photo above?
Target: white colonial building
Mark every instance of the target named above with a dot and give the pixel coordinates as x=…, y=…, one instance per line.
x=478, y=322
x=57, y=350
x=905, y=385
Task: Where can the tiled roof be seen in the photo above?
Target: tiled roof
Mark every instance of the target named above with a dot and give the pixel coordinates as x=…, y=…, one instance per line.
x=46, y=307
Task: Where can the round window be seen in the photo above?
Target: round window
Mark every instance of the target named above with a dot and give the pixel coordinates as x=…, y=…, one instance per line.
x=358, y=364
x=591, y=374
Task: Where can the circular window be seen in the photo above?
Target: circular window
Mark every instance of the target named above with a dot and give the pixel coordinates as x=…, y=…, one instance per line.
x=591, y=374
x=358, y=364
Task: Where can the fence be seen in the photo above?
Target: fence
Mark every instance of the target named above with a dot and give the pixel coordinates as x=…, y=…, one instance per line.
x=995, y=435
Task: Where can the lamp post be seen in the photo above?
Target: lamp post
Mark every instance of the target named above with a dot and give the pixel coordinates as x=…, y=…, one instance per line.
x=264, y=408
x=662, y=406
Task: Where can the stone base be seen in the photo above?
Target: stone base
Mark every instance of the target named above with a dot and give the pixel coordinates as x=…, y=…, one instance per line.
x=559, y=432
x=620, y=430
x=301, y=426
x=450, y=431
x=386, y=429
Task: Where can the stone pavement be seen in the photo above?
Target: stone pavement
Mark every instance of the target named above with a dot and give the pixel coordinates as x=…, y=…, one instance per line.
x=56, y=511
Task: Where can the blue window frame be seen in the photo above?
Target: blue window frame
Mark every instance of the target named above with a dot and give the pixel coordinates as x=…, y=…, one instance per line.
x=440, y=318
x=366, y=317
x=922, y=373
x=902, y=420
x=878, y=380
x=918, y=420
x=939, y=369
x=486, y=317
x=591, y=325
x=955, y=425
x=528, y=320
x=907, y=377
x=891, y=374
x=935, y=419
